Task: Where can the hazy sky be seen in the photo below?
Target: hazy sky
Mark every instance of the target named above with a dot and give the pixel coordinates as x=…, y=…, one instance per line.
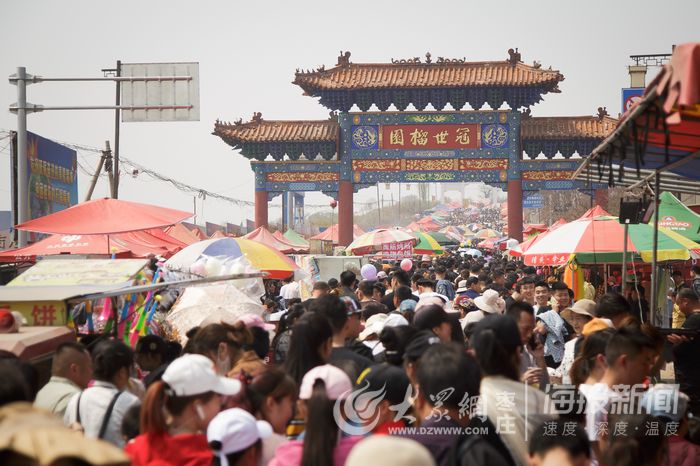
x=248, y=52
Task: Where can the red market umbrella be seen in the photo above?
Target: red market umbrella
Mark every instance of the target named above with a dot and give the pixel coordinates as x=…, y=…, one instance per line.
x=331, y=234
x=598, y=237
x=181, y=233
x=105, y=217
x=124, y=245
x=413, y=226
x=487, y=233
x=428, y=224
x=198, y=233
x=521, y=248
x=534, y=229
x=151, y=239
x=263, y=236
x=375, y=239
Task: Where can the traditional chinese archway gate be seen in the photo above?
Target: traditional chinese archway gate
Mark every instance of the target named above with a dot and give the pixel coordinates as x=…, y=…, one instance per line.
x=351, y=151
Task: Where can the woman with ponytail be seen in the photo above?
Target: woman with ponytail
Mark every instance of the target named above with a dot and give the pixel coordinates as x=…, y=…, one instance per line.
x=271, y=397
x=324, y=444
x=589, y=364
x=176, y=411
x=310, y=345
x=497, y=344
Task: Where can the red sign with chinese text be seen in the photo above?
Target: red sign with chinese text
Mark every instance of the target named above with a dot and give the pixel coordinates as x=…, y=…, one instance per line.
x=398, y=250
x=416, y=137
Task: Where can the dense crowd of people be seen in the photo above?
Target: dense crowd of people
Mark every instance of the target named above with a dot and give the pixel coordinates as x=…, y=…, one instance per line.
x=458, y=361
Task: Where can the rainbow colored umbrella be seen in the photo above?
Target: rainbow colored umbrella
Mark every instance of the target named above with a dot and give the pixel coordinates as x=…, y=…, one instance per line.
x=598, y=237
x=372, y=241
x=426, y=244
x=260, y=256
x=487, y=233
x=453, y=232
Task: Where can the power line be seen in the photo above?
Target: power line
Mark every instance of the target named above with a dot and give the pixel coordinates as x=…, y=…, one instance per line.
x=179, y=185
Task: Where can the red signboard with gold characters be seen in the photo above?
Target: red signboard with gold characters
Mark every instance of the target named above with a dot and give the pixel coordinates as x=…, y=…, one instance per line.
x=546, y=175
x=465, y=136
x=302, y=177
x=410, y=165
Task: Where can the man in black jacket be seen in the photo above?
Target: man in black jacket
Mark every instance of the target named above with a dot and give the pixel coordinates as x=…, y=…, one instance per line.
x=344, y=317
x=687, y=347
x=399, y=278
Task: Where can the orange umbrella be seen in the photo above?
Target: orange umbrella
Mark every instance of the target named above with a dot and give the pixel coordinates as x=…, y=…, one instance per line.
x=104, y=217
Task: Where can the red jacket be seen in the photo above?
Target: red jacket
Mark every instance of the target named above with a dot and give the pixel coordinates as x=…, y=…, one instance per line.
x=168, y=450
x=682, y=453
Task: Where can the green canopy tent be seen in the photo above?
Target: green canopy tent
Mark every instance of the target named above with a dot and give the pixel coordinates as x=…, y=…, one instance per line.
x=675, y=216
x=295, y=238
x=443, y=239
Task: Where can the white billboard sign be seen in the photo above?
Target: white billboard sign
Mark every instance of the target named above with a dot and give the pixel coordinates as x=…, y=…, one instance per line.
x=164, y=99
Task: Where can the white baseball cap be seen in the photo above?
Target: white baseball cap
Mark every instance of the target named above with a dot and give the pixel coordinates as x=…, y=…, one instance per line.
x=194, y=374
x=373, y=325
x=235, y=430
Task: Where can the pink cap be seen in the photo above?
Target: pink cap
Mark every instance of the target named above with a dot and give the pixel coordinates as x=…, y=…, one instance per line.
x=254, y=320
x=338, y=385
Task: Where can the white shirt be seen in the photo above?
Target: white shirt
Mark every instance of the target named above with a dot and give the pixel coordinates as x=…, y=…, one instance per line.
x=598, y=398
x=566, y=362
x=93, y=406
x=290, y=291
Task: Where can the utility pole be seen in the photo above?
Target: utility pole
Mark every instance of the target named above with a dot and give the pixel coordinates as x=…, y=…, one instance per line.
x=115, y=182
x=22, y=214
x=109, y=167
x=96, y=176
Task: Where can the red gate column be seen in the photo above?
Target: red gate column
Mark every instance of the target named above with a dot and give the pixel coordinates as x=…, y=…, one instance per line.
x=515, y=209
x=601, y=198
x=345, y=213
x=260, y=209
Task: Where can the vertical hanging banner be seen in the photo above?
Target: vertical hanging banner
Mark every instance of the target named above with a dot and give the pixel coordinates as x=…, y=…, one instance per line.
x=52, y=177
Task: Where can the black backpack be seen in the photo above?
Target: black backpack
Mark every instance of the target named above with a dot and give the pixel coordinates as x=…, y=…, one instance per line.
x=481, y=447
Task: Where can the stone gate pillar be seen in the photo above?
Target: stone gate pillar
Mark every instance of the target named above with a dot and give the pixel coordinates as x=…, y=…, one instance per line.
x=515, y=209
x=260, y=208
x=345, y=220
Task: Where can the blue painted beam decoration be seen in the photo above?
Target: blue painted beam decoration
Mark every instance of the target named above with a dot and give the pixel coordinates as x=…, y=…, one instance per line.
x=418, y=147
x=495, y=97
x=293, y=150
